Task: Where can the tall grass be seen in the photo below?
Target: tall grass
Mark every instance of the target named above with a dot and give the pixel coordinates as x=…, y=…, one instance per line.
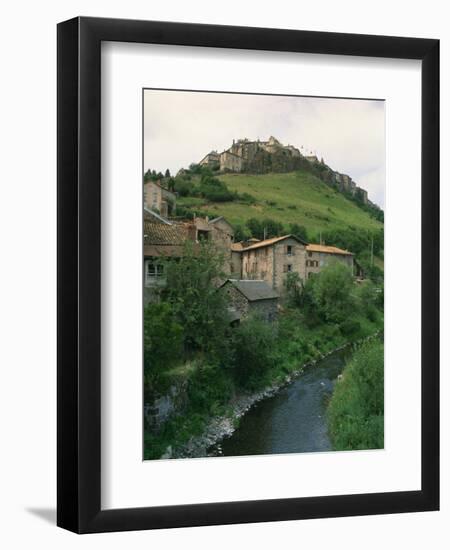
x=318, y=207
x=356, y=410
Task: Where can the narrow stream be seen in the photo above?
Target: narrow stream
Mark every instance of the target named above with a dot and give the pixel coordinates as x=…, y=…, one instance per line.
x=293, y=420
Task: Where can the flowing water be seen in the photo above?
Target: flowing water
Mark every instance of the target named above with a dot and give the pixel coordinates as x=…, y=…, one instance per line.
x=293, y=420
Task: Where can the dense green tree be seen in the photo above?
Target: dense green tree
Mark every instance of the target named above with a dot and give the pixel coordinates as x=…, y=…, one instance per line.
x=266, y=228
x=332, y=292
x=271, y=228
x=192, y=292
x=163, y=337
x=255, y=227
x=241, y=233
x=299, y=231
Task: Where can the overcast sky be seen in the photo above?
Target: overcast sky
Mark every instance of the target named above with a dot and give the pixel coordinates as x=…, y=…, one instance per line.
x=181, y=127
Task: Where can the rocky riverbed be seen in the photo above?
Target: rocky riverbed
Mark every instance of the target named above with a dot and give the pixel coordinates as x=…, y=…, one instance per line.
x=224, y=426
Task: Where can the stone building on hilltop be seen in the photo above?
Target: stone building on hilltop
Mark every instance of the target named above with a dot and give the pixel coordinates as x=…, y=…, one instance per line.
x=261, y=157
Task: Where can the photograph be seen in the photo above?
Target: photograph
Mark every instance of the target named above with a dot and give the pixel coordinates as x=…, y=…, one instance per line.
x=263, y=284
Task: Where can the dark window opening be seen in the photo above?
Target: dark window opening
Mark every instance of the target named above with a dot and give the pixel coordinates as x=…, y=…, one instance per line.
x=202, y=235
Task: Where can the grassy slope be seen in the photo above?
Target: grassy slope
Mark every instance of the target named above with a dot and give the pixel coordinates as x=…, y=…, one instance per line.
x=317, y=206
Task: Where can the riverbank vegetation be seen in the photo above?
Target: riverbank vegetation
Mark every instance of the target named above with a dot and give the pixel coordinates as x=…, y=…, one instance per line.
x=189, y=343
x=356, y=410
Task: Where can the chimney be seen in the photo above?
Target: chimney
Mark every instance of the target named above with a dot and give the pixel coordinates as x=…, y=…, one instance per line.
x=164, y=211
x=192, y=232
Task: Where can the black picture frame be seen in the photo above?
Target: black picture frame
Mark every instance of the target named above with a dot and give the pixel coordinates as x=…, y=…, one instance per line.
x=79, y=282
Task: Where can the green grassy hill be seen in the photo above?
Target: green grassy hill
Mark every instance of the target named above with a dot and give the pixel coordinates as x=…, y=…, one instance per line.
x=295, y=197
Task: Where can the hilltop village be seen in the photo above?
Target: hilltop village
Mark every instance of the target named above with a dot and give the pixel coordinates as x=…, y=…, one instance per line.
x=244, y=298
x=254, y=270
x=260, y=157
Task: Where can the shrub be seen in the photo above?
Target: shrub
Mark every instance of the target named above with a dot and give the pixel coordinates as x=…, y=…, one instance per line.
x=349, y=327
x=252, y=356
x=183, y=187
x=246, y=198
x=294, y=288
x=215, y=190
x=163, y=338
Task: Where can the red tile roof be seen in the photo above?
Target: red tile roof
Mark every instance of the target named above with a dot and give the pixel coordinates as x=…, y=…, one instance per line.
x=269, y=242
x=327, y=249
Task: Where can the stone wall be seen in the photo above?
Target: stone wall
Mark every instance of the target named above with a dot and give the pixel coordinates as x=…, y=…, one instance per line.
x=163, y=407
x=257, y=263
x=236, y=265
x=282, y=261
x=266, y=309
x=236, y=299
x=271, y=263
x=231, y=162
x=361, y=194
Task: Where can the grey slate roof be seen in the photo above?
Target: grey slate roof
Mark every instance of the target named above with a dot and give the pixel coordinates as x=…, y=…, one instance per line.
x=254, y=290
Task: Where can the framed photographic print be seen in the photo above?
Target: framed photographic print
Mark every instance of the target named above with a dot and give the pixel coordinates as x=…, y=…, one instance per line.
x=248, y=309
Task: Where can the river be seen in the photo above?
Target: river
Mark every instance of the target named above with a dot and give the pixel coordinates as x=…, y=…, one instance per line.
x=293, y=420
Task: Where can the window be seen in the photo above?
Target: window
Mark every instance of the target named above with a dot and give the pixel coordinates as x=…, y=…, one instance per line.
x=154, y=271
x=202, y=235
x=289, y=268
x=289, y=250
x=309, y=254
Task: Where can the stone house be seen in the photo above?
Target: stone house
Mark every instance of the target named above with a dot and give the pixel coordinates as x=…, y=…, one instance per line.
x=271, y=260
x=319, y=255
x=162, y=241
x=166, y=239
x=231, y=162
x=212, y=159
x=219, y=232
x=159, y=199
x=251, y=297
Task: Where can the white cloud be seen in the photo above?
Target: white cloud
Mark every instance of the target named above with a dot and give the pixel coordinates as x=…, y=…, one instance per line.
x=181, y=127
